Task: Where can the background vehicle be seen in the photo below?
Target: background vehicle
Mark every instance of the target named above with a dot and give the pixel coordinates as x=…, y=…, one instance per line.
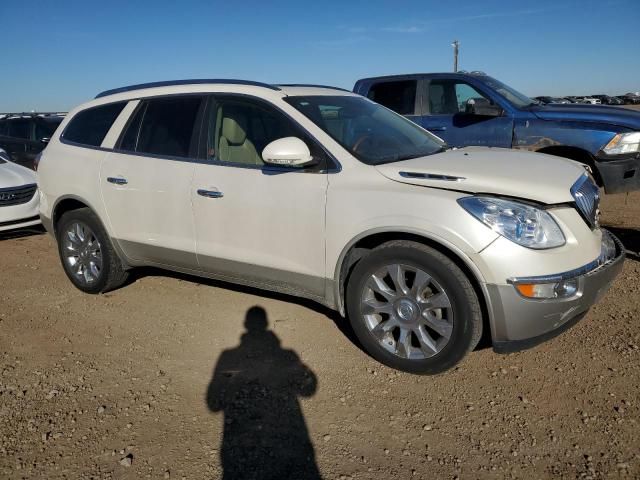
x=321, y=193
x=18, y=195
x=591, y=100
x=24, y=135
x=470, y=109
x=630, y=99
x=547, y=100
x=607, y=100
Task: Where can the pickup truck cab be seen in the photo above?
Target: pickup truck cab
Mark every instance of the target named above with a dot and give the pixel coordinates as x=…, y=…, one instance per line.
x=475, y=109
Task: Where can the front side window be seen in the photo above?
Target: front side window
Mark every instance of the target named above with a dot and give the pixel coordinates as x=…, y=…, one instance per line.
x=448, y=97
x=239, y=129
x=399, y=96
x=520, y=100
x=163, y=126
x=370, y=132
x=20, y=128
x=90, y=126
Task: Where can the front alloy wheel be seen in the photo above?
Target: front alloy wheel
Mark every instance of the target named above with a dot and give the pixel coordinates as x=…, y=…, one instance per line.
x=413, y=308
x=407, y=311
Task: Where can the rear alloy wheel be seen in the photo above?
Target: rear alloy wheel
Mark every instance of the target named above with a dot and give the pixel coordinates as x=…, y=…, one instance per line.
x=83, y=253
x=86, y=252
x=412, y=308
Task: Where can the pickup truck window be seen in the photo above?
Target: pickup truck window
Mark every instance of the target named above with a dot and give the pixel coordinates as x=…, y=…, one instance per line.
x=20, y=128
x=448, y=97
x=370, y=132
x=520, y=100
x=399, y=96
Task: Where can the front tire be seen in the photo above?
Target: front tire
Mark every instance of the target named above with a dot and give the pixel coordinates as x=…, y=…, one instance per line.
x=412, y=308
x=87, y=254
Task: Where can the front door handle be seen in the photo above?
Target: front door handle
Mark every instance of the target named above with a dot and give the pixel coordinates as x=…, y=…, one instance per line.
x=210, y=193
x=436, y=129
x=117, y=180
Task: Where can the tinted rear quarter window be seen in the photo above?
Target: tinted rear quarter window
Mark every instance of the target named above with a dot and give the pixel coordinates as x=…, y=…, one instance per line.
x=399, y=96
x=90, y=126
x=164, y=126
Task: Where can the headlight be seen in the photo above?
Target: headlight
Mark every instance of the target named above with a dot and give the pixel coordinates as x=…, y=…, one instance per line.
x=523, y=224
x=623, y=143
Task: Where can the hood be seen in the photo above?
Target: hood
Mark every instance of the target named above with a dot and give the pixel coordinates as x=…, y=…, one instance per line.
x=14, y=175
x=623, y=117
x=534, y=176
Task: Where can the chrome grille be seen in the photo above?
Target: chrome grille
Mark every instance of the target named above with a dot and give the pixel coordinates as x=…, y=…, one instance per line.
x=587, y=196
x=17, y=195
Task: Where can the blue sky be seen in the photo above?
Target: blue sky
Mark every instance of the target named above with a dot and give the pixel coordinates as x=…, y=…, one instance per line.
x=56, y=54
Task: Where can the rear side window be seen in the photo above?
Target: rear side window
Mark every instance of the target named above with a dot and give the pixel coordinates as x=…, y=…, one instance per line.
x=3, y=127
x=399, y=96
x=90, y=126
x=164, y=126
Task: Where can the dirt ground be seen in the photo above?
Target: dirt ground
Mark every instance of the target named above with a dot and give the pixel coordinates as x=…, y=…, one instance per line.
x=132, y=384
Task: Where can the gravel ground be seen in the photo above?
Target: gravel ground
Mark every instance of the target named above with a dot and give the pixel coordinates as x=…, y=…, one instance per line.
x=135, y=384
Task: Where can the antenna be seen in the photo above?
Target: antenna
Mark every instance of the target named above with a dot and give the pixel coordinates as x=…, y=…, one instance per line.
x=456, y=46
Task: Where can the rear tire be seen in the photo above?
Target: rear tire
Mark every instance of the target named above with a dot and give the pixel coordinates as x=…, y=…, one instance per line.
x=412, y=308
x=87, y=254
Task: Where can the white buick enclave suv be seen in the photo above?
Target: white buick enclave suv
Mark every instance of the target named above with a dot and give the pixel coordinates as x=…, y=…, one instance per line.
x=321, y=193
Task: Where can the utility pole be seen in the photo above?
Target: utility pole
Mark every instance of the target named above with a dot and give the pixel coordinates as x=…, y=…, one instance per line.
x=455, y=45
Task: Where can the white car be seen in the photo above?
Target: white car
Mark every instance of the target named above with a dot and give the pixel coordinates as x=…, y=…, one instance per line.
x=324, y=194
x=18, y=195
x=591, y=101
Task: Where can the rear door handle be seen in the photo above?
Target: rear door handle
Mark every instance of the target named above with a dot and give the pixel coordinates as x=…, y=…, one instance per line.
x=117, y=180
x=210, y=193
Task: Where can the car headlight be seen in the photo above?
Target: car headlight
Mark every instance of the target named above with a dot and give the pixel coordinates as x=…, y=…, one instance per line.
x=523, y=224
x=623, y=143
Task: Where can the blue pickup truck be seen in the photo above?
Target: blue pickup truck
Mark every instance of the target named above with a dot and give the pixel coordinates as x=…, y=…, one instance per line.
x=475, y=109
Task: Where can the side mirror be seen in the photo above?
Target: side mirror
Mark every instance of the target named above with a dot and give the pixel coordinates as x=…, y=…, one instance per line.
x=287, y=152
x=45, y=140
x=482, y=106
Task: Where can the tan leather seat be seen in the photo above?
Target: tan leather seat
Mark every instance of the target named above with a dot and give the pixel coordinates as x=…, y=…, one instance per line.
x=234, y=146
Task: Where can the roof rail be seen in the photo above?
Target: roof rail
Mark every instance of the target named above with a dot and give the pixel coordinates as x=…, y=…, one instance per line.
x=32, y=114
x=197, y=81
x=311, y=85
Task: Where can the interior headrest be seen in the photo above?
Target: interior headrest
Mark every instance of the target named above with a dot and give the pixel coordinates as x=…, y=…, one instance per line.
x=234, y=128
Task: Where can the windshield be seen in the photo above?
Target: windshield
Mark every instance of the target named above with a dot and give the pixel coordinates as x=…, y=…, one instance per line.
x=370, y=132
x=520, y=100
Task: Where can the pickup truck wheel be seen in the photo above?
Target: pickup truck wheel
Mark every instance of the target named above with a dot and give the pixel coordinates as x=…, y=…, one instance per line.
x=87, y=254
x=412, y=308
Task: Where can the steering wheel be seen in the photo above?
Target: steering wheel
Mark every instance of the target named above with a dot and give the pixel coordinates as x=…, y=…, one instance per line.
x=358, y=143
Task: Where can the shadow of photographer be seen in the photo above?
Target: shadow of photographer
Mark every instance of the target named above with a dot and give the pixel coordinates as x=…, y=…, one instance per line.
x=257, y=385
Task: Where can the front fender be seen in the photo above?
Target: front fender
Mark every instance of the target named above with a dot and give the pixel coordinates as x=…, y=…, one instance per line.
x=534, y=134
